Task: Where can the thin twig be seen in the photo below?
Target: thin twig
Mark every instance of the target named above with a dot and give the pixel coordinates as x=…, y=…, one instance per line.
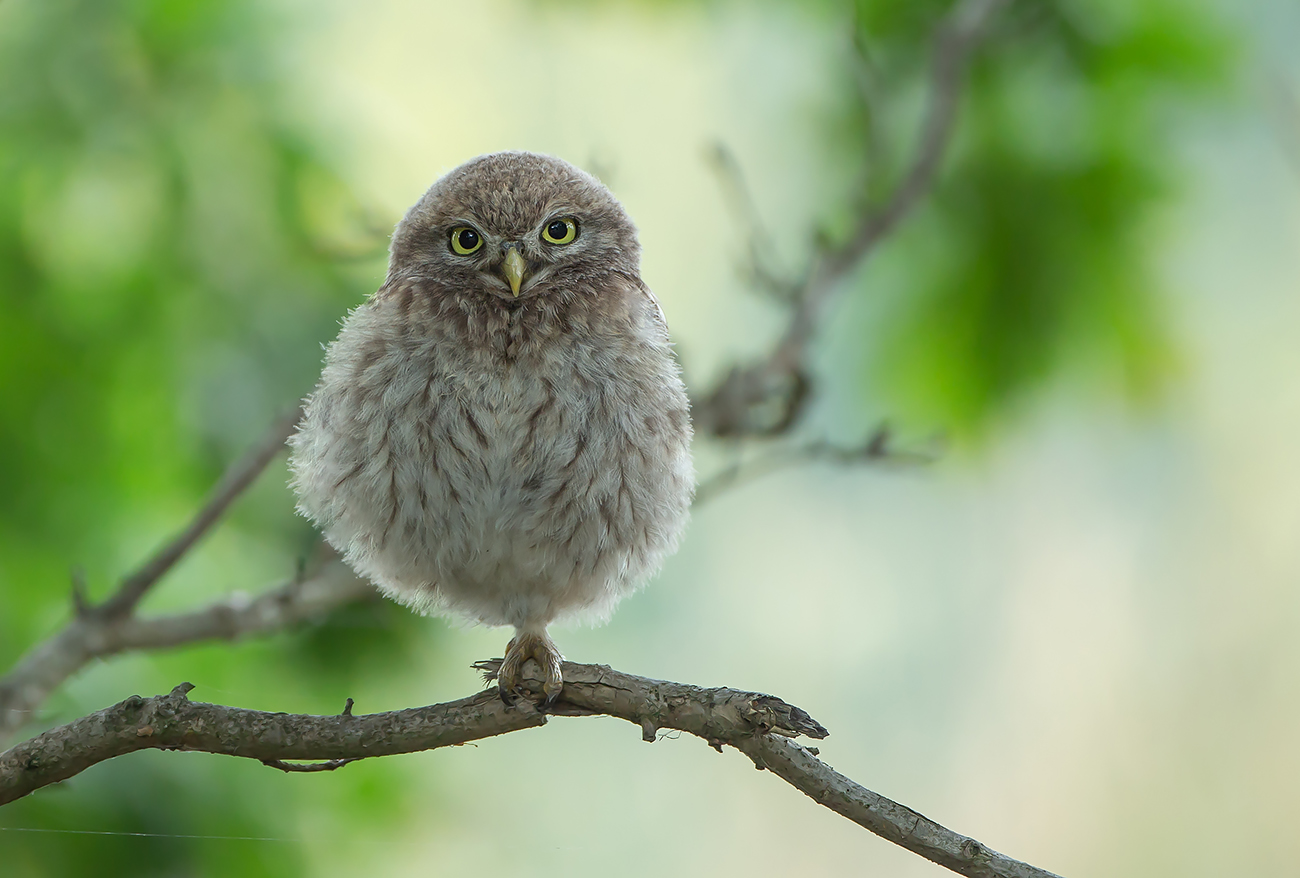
x=761, y=726
x=876, y=450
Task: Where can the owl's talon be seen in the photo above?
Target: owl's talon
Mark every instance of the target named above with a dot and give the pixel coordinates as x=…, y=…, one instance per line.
x=524, y=646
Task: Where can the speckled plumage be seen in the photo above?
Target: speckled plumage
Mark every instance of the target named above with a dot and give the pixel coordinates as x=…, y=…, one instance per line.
x=511, y=461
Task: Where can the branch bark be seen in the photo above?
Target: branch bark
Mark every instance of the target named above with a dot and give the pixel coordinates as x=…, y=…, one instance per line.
x=760, y=726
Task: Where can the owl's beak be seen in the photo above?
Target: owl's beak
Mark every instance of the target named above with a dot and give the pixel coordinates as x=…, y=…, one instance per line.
x=513, y=269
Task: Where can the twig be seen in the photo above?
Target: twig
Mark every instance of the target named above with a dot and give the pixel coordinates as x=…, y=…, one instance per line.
x=741, y=404
x=875, y=450
x=761, y=726
x=237, y=479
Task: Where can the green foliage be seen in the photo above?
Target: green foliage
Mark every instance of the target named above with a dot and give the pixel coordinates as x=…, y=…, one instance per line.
x=172, y=252
x=1028, y=262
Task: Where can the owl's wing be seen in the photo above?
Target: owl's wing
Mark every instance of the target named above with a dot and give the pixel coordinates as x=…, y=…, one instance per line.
x=656, y=311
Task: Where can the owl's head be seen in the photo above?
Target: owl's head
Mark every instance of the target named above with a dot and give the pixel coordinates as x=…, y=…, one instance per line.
x=514, y=225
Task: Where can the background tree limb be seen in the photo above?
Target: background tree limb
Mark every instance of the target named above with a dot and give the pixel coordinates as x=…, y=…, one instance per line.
x=760, y=726
x=767, y=396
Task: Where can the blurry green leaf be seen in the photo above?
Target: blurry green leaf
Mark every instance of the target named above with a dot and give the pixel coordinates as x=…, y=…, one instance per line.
x=1035, y=262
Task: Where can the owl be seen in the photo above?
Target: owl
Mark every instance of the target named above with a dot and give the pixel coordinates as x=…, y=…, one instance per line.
x=500, y=432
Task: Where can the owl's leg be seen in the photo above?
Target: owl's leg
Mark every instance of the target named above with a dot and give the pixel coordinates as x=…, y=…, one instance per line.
x=523, y=646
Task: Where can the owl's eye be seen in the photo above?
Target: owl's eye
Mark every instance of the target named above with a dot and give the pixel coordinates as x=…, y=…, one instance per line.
x=560, y=231
x=465, y=240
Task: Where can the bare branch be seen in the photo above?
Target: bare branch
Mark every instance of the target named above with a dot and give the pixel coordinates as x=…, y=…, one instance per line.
x=112, y=627
x=740, y=404
x=93, y=636
x=800, y=767
x=172, y=722
x=237, y=479
x=877, y=449
x=761, y=726
x=240, y=616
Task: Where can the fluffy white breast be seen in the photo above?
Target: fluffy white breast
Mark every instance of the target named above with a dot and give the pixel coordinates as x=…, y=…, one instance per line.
x=478, y=469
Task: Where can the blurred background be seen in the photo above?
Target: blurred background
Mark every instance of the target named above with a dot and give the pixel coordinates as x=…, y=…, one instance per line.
x=1076, y=637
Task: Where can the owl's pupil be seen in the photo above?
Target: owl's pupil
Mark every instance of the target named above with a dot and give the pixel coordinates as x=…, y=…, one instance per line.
x=467, y=238
x=557, y=229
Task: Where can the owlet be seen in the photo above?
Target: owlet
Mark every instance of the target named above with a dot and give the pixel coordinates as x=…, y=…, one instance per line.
x=500, y=432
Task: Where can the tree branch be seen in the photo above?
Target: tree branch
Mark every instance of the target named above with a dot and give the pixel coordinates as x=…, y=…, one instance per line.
x=742, y=404
x=877, y=449
x=760, y=726
x=96, y=631
x=93, y=636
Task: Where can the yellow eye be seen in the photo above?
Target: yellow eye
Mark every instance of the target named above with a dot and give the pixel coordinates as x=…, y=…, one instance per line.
x=560, y=231
x=465, y=240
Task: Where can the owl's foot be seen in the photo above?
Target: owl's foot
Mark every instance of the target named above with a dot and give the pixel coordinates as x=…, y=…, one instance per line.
x=524, y=646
